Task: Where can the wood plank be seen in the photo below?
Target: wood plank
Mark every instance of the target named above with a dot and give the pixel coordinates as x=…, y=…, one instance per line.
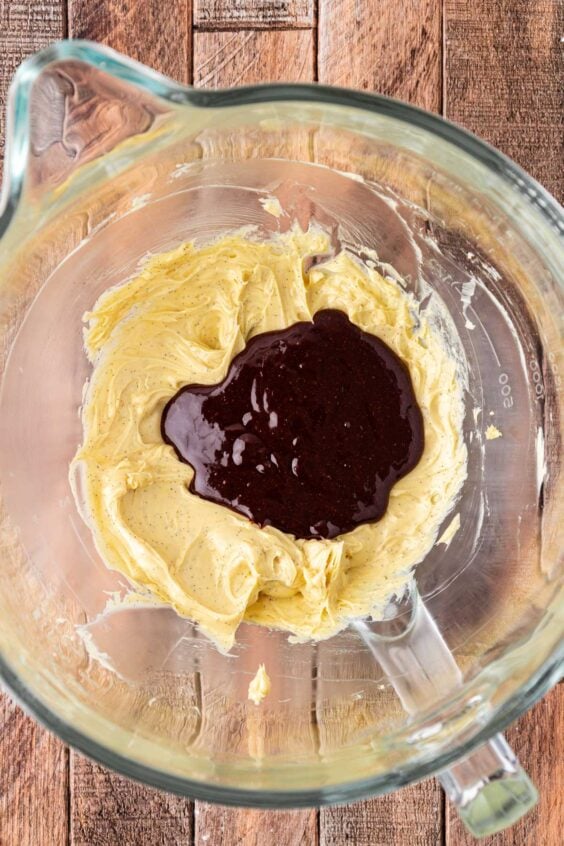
x=112, y=810
x=390, y=47
x=216, y=825
x=255, y=14
x=33, y=782
x=234, y=728
x=33, y=763
x=159, y=701
x=245, y=57
x=538, y=740
x=352, y=696
x=223, y=59
x=395, y=49
x=25, y=27
x=504, y=70
x=409, y=817
x=156, y=32
x=503, y=81
x=106, y=808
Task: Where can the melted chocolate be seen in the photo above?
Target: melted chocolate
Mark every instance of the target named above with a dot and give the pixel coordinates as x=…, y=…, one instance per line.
x=308, y=432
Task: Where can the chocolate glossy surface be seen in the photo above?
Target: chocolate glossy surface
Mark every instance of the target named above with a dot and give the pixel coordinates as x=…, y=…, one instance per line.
x=308, y=432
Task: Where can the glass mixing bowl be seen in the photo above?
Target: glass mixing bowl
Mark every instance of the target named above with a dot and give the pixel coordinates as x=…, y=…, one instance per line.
x=108, y=161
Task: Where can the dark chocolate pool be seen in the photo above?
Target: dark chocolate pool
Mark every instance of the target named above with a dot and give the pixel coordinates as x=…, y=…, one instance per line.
x=308, y=432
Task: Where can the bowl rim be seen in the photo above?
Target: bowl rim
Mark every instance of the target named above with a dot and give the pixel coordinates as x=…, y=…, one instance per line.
x=154, y=83
x=352, y=791
x=18, y=129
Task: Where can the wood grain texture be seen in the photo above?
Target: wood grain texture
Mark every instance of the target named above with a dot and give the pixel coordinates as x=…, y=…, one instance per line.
x=33, y=782
x=393, y=48
x=503, y=80
x=409, y=817
x=216, y=825
x=156, y=32
x=538, y=740
x=255, y=14
x=25, y=27
x=504, y=75
x=224, y=59
x=245, y=57
x=109, y=810
x=33, y=764
x=106, y=808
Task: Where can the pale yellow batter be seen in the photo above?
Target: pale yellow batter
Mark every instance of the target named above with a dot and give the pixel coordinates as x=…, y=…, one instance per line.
x=492, y=432
x=181, y=321
x=259, y=687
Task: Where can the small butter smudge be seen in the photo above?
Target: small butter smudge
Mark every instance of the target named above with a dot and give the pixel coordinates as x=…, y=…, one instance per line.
x=466, y=294
x=260, y=685
x=272, y=206
x=92, y=650
x=139, y=202
x=492, y=432
x=450, y=531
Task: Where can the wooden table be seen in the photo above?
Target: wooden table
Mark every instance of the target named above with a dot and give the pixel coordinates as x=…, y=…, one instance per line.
x=493, y=66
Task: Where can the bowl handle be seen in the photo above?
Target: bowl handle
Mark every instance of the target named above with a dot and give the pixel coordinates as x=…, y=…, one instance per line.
x=488, y=787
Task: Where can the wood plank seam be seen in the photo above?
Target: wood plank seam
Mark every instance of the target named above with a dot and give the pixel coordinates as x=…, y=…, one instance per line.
x=316, y=40
x=442, y=48
x=250, y=27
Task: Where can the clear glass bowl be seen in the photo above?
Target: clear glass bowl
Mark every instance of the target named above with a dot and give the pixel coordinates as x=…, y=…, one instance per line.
x=107, y=161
